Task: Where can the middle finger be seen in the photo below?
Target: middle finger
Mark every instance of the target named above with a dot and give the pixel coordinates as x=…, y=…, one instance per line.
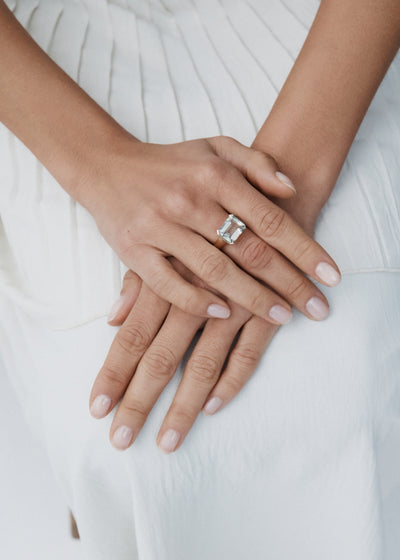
x=264, y=262
x=201, y=373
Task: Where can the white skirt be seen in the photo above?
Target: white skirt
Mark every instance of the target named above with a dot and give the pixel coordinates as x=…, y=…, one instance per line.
x=305, y=461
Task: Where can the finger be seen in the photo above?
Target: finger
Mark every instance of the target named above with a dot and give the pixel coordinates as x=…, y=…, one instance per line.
x=262, y=261
x=221, y=273
x=258, y=167
x=128, y=346
x=201, y=374
x=254, y=338
x=131, y=286
x=275, y=226
x=156, y=368
x=158, y=273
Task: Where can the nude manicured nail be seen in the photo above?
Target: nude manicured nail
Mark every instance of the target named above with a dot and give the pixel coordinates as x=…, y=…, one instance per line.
x=280, y=314
x=100, y=406
x=215, y=310
x=328, y=274
x=212, y=405
x=122, y=437
x=115, y=308
x=285, y=180
x=169, y=441
x=317, y=308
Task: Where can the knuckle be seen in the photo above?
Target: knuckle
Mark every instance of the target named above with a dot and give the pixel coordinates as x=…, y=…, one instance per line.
x=133, y=339
x=183, y=416
x=247, y=355
x=178, y=200
x=271, y=221
x=160, y=282
x=204, y=369
x=257, y=302
x=190, y=301
x=213, y=268
x=215, y=170
x=258, y=254
x=297, y=287
x=233, y=384
x=112, y=377
x=160, y=363
x=133, y=408
x=303, y=248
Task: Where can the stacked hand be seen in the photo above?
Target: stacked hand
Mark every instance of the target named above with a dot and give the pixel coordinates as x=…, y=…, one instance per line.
x=161, y=206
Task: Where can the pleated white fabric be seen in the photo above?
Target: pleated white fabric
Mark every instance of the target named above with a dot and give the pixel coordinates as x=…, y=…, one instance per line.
x=305, y=462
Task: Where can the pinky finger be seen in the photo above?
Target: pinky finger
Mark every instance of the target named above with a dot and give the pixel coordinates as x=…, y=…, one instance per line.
x=131, y=286
x=253, y=340
x=161, y=277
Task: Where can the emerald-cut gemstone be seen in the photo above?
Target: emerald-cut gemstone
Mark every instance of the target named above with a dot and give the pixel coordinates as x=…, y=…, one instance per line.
x=231, y=229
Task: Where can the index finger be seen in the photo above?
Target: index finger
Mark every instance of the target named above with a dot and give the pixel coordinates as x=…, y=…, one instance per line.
x=199, y=377
x=130, y=343
x=276, y=227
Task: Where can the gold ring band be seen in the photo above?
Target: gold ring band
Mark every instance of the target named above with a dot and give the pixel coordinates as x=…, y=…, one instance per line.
x=219, y=243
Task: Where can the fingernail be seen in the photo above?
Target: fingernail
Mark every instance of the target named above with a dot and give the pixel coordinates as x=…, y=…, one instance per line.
x=212, y=405
x=169, y=441
x=122, y=437
x=317, y=308
x=215, y=310
x=328, y=274
x=280, y=314
x=115, y=308
x=284, y=179
x=100, y=406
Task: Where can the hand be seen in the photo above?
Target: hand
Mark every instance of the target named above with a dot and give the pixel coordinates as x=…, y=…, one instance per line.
x=147, y=350
x=159, y=200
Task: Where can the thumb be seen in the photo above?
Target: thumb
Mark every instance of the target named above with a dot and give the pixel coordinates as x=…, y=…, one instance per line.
x=131, y=287
x=257, y=166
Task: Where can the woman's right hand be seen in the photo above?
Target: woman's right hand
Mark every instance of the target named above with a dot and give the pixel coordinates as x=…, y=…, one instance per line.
x=151, y=201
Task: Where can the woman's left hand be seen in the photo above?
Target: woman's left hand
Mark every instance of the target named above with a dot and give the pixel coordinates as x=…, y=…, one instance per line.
x=146, y=352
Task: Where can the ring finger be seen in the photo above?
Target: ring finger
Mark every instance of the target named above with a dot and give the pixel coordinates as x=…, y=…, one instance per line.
x=264, y=262
x=200, y=376
x=254, y=339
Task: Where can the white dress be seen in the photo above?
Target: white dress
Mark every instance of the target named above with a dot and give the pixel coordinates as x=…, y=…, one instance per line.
x=305, y=462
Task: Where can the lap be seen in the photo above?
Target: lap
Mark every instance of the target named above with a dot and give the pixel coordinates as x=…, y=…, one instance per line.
x=308, y=446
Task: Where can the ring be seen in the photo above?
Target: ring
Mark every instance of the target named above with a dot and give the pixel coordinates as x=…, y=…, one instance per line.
x=230, y=230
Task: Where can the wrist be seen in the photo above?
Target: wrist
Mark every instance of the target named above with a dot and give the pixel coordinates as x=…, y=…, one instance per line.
x=89, y=180
x=313, y=182
x=302, y=212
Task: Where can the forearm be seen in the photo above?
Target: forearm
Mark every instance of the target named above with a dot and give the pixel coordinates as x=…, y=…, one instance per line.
x=62, y=125
x=319, y=109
